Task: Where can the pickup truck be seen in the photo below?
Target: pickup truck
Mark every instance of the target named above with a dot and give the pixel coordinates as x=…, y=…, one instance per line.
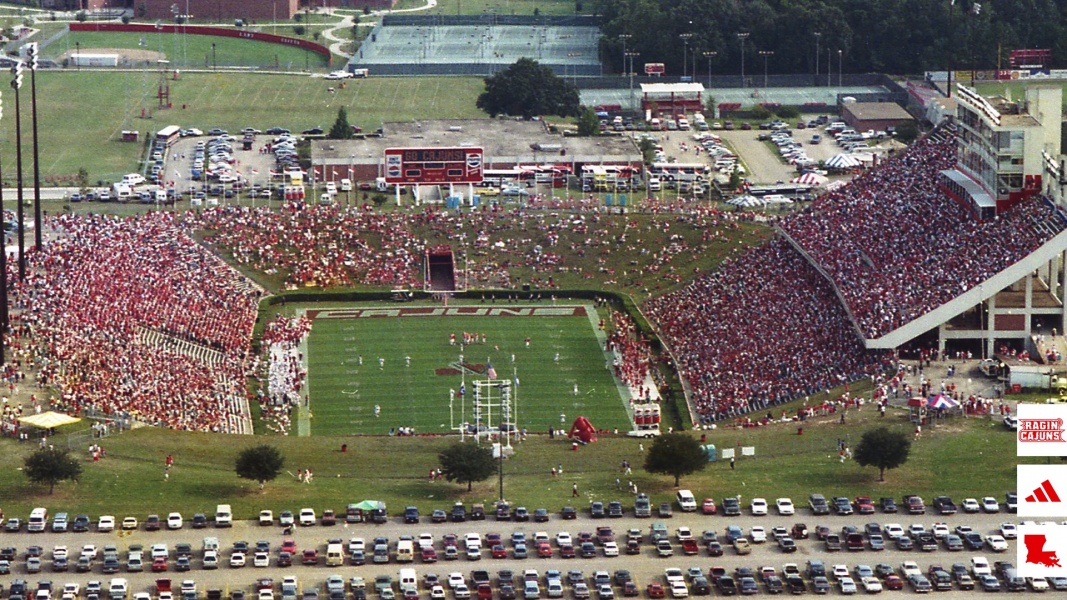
x=945, y=505
x=479, y=577
x=690, y=547
x=915, y=505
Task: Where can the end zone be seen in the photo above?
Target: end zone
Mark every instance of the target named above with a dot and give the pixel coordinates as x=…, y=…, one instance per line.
x=450, y=311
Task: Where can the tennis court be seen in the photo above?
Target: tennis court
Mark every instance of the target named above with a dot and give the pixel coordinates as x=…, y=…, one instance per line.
x=789, y=96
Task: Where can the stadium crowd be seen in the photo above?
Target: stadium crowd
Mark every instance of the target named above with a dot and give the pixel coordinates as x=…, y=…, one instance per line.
x=145, y=322
x=897, y=247
x=286, y=369
x=633, y=356
x=763, y=329
x=337, y=246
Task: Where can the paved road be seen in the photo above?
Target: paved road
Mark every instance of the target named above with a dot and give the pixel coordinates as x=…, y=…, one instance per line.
x=645, y=567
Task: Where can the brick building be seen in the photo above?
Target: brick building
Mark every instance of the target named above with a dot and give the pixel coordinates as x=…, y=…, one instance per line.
x=252, y=10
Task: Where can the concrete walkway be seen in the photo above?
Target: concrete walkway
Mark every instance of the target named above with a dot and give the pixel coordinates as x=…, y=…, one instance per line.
x=338, y=43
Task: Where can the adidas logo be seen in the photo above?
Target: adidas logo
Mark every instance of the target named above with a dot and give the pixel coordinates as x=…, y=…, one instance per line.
x=1044, y=493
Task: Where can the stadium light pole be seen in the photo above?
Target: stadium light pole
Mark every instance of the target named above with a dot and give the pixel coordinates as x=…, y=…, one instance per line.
x=710, y=54
x=78, y=54
x=742, y=37
x=624, y=37
x=32, y=50
x=214, y=58
x=766, y=54
x=818, y=35
x=16, y=83
x=840, y=66
x=631, y=56
x=3, y=266
x=685, y=50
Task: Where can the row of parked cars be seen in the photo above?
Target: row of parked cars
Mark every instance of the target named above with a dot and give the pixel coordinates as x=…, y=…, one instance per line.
x=685, y=500
x=815, y=576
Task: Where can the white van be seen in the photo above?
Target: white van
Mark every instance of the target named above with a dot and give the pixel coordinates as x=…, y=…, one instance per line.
x=223, y=516
x=686, y=501
x=38, y=520
x=335, y=555
x=408, y=580
x=405, y=551
x=132, y=179
x=346, y=185
x=331, y=188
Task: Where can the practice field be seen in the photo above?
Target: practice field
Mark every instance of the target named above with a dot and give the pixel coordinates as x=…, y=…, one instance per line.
x=84, y=113
x=345, y=392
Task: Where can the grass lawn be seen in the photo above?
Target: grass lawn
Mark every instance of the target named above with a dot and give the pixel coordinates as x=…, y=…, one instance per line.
x=194, y=51
x=82, y=114
x=343, y=393
x=963, y=458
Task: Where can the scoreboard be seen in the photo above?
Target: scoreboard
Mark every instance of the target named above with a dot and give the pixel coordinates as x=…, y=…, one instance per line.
x=433, y=165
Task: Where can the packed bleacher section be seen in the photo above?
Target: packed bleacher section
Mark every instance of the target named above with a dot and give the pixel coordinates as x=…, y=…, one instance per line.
x=897, y=247
x=131, y=318
x=316, y=246
x=328, y=246
x=764, y=328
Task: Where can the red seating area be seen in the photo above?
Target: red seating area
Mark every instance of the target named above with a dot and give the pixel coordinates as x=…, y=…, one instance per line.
x=146, y=323
x=897, y=247
x=763, y=329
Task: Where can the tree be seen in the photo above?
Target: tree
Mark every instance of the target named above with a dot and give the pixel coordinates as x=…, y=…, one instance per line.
x=467, y=462
x=675, y=454
x=528, y=88
x=883, y=448
x=52, y=465
x=341, y=130
x=588, y=123
x=648, y=149
x=907, y=131
x=787, y=112
x=259, y=463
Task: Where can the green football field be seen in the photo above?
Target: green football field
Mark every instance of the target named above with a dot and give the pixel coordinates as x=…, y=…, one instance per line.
x=344, y=392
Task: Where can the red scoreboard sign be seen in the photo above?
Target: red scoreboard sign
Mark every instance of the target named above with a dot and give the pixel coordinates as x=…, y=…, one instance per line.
x=433, y=165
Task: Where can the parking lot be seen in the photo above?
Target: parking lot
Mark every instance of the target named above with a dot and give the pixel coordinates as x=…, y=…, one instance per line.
x=645, y=568
x=251, y=168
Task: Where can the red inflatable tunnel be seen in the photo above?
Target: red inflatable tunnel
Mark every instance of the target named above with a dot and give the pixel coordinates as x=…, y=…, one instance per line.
x=583, y=430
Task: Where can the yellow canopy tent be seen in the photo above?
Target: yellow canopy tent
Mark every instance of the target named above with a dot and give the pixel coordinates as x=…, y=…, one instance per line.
x=48, y=420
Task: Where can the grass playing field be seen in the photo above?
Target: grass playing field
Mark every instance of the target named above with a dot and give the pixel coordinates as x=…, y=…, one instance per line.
x=82, y=113
x=344, y=392
x=195, y=51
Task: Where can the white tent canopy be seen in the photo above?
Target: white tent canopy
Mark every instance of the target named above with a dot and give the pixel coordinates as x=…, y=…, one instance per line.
x=843, y=161
x=810, y=178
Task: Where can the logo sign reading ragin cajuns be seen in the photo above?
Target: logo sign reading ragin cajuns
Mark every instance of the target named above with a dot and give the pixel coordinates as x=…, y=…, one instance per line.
x=1041, y=429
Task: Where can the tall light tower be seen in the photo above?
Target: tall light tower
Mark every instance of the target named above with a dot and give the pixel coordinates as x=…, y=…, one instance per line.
x=710, y=54
x=742, y=37
x=16, y=84
x=766, y=54
x=624, y=37
x=32, y=51
x=840, y=67
x=818, y=35
x=685, y=50
x=3, y=267
x=631, y=56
